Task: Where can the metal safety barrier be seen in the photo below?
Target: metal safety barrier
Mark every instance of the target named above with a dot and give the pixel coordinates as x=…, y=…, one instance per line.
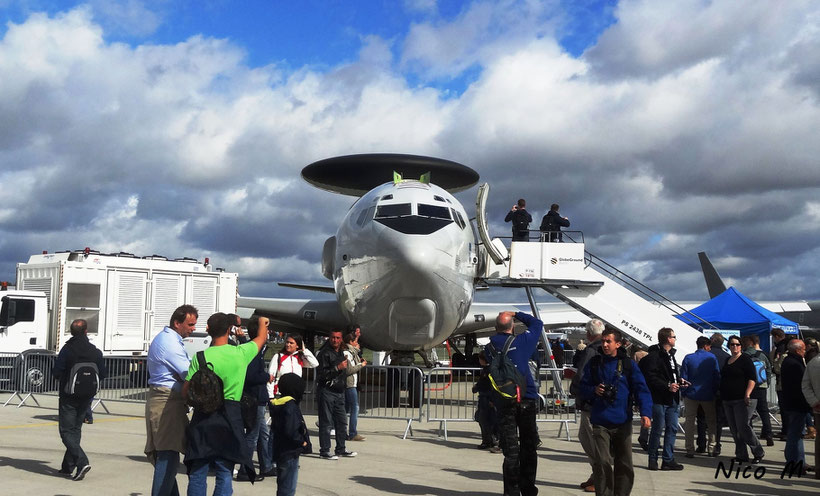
x=451, y=398
x=126, y=379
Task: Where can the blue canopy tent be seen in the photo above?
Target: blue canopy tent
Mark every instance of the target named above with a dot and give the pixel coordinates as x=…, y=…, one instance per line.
x=732, y=310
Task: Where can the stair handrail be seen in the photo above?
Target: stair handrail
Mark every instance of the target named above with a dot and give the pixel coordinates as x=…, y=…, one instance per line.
x=645, y=290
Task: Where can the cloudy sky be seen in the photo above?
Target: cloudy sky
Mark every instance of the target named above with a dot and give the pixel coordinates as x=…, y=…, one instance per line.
x=180, y=127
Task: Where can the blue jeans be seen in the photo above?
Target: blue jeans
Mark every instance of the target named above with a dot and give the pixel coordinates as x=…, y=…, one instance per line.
x=165, y=474
x=352, y=409
x=332, y=416
x=663, y=417
x=287, y=472
x=258, y=439
x=70, y=424
x=794, y=436
x=198, y=477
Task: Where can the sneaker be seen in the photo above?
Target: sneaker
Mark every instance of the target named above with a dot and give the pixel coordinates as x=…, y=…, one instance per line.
x=348, y=454
x=690, y=455
x=757, y=459
x=653, y=465
x=484, y=446
x=81, y=473
x=328, y=456
x=673, y=465
x=357, y=437
x=66, y=472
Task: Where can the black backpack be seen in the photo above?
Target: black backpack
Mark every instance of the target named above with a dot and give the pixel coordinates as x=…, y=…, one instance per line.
x=507, y=380
x=205, y=389
x=83, y=380
x=519, y=221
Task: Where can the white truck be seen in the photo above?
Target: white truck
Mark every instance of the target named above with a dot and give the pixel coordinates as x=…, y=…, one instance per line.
x=125, y=299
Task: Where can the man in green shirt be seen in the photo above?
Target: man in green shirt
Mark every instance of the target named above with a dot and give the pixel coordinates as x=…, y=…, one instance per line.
x=217, y=440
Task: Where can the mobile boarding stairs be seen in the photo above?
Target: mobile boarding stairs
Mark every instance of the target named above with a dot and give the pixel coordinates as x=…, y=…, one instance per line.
x=584, y=282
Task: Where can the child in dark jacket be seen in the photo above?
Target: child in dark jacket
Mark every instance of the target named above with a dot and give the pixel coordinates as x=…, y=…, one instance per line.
x=290, y=433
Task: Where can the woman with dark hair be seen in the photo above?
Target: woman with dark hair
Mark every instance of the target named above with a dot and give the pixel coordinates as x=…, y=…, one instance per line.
x=737, y=380
x=352, y=351
x=291, y=360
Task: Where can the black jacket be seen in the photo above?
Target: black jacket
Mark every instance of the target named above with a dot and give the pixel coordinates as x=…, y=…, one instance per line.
x=659, y=373
x=721, y=356
x=327, y=375
x=256, y=378
x=519, y=218
x=76, y=350
x=288, y=428
x=791, y=374
x=553, y=222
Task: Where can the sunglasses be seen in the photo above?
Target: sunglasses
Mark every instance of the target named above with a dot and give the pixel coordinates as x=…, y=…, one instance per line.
x=734, y=344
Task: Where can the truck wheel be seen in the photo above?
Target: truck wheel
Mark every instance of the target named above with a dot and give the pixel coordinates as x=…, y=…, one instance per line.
x=36, y=377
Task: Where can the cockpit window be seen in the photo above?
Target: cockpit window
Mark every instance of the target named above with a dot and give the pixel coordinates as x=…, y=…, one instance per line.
x=438, y=198
x=434, y=211
x=387, y=197
x=458, y=218
x=396, y=210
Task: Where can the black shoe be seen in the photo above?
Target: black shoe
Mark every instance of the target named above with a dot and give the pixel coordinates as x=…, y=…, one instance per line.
x=769, y=441
x=270, y=473
x=701, y=450
x=81, y=473
x=644, y=445
x=716, y=451
x=328, y=456
x=242, y=477
x=484, y=446
x=689, y=455
x=653, y=464
x=66, y=472
x=757, y=459
x=347, y=454
x=741, y=460
x=673, y=465
x=88, y=421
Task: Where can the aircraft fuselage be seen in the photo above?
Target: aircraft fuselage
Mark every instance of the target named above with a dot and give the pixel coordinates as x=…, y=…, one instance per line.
x=404, y=265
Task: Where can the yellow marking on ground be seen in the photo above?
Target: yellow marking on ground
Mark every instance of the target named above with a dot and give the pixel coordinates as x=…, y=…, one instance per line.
x=51, y=424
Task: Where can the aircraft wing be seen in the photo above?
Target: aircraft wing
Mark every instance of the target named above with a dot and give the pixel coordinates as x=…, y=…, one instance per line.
x=481, y=317
x=296, y=315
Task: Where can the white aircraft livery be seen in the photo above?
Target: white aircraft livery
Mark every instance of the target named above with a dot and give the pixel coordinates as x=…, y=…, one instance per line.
x=404, y=259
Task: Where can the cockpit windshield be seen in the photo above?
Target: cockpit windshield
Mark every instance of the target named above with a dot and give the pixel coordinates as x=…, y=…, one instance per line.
x=433, y=211
x=395, y=210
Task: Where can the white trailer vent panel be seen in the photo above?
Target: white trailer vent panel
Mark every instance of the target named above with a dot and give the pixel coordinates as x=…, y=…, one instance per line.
x=43, y=285
x=168, y=295
x=204, y=299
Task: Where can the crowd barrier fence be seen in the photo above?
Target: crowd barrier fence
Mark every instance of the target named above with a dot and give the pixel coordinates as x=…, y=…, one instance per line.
x=442, y=394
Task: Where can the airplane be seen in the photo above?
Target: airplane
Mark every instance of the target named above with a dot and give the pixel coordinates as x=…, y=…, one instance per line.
x=805, y=313
x=403, y=262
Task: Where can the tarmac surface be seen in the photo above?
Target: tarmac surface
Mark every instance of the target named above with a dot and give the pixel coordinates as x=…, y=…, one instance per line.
x=422, y=464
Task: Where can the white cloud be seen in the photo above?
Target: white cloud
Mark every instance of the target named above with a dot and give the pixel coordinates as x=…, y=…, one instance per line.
x=655, y=146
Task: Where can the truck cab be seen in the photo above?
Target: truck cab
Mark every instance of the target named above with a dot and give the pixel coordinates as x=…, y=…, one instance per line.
x=23, y=321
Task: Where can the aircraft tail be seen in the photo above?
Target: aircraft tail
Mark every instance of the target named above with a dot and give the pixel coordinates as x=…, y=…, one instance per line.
x=714, y=283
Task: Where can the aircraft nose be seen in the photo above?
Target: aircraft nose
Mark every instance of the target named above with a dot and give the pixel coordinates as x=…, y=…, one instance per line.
x=412, y=253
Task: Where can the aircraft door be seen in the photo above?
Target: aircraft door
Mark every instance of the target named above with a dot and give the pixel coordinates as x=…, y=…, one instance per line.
x=481, y=224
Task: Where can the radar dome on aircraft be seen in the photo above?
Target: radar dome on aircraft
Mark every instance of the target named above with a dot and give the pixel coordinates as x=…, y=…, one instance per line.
x=357, y=174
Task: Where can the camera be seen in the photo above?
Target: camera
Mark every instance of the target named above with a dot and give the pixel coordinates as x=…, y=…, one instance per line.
x=610, y=392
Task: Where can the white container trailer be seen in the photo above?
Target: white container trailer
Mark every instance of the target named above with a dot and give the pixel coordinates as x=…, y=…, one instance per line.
x=126, y=300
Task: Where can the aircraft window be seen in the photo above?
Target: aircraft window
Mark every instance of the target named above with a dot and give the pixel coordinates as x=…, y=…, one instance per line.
x=395, y=210
x=459, y=219
x=360, y=219
x=387, y=197
x=434, y=211
x=438, y=198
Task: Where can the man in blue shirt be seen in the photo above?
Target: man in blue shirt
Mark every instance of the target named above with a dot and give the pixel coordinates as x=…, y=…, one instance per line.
x=610, y=382
x=166, y=414
x=517, y=429
x=700, y=369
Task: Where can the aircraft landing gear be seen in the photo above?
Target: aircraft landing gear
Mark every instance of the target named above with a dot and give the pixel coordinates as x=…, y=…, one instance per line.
x=409, y=380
